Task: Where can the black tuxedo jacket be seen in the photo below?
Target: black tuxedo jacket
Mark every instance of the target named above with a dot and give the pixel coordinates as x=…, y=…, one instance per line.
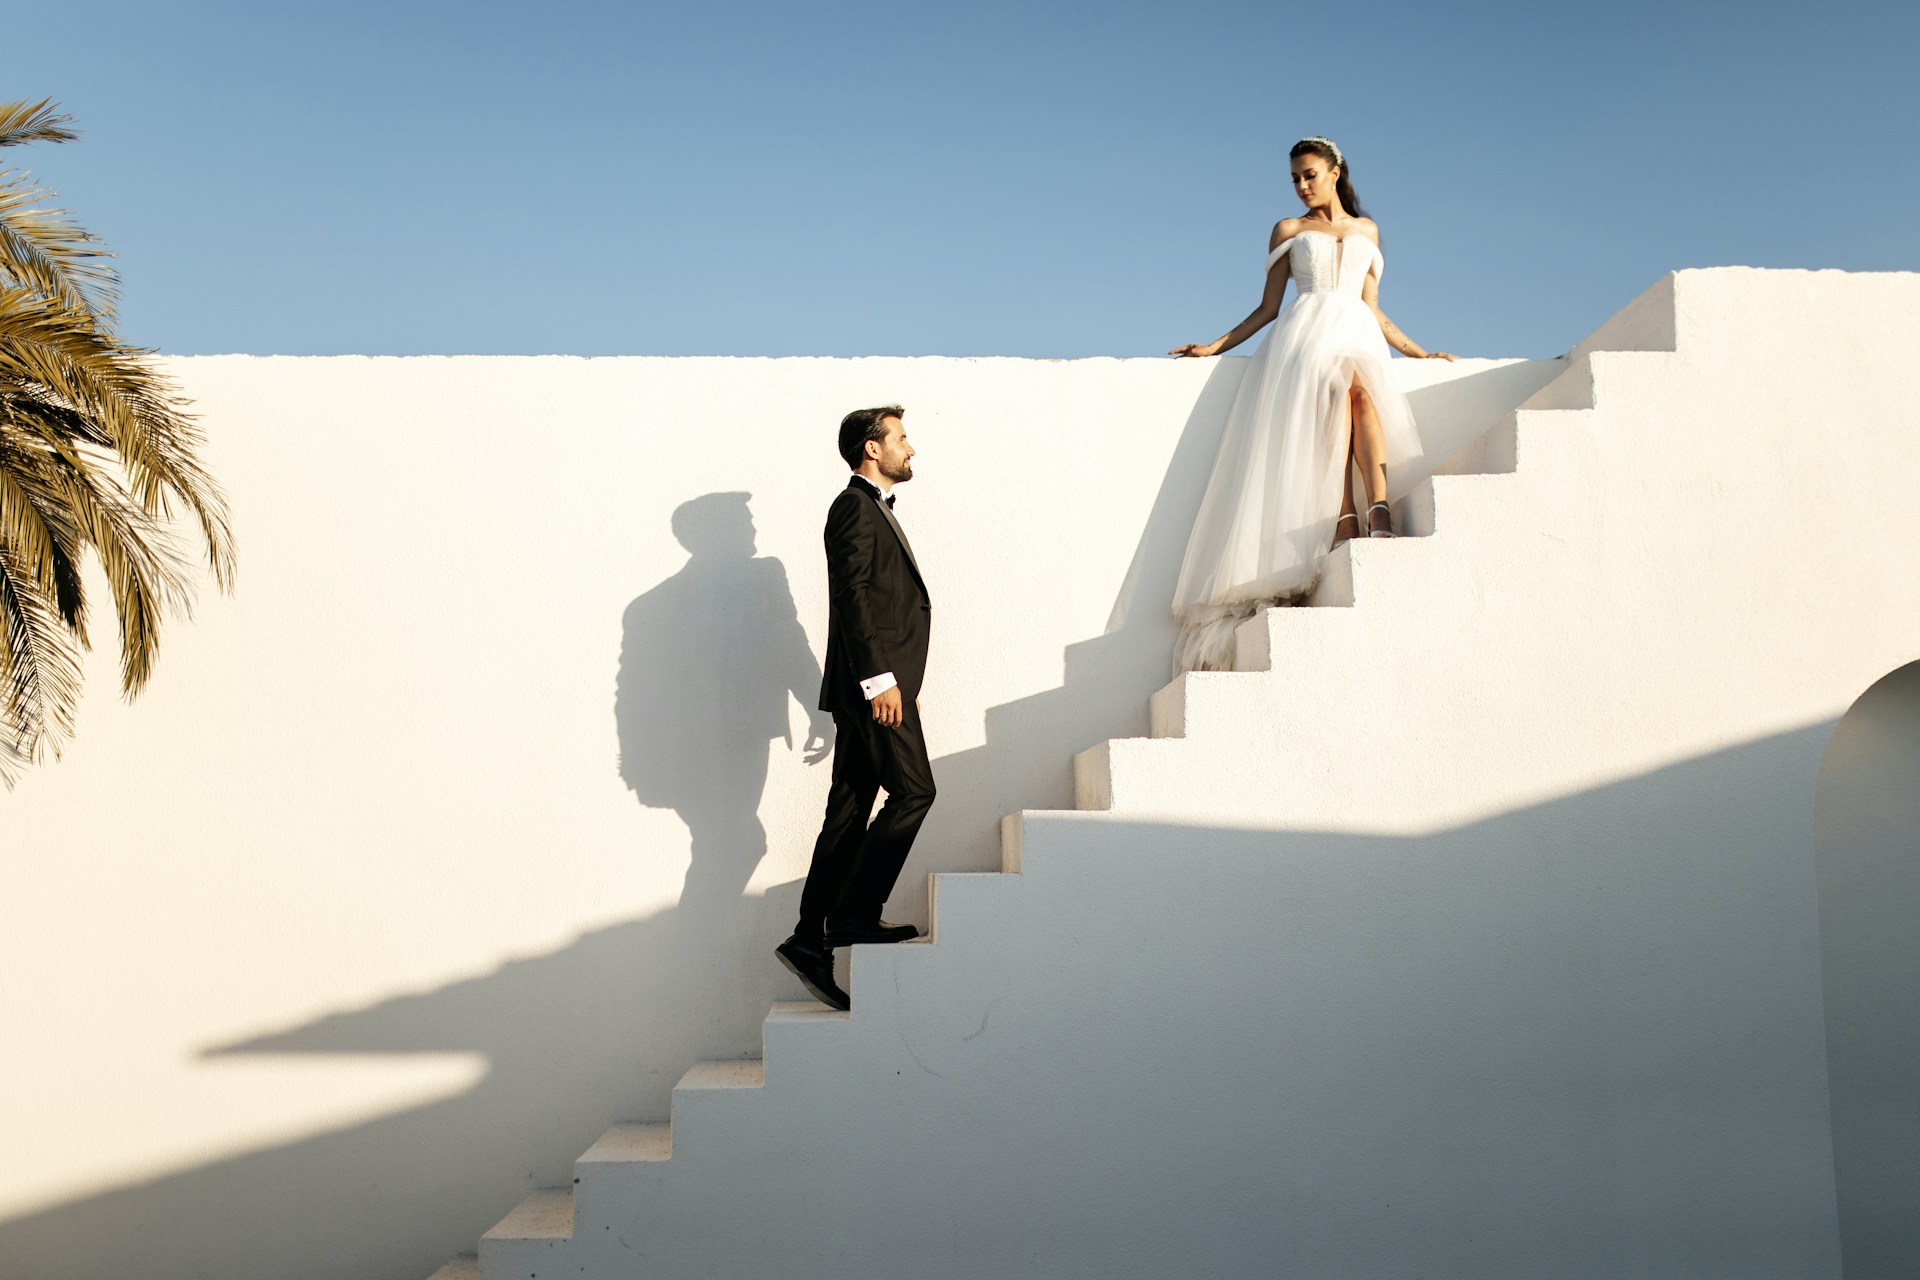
x=879, y=615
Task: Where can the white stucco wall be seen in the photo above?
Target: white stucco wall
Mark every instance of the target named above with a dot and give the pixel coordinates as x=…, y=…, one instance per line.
x=1473, y=930
x=351, y=930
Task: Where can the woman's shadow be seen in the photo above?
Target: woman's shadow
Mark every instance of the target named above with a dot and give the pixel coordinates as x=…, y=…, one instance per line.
x=708, y=659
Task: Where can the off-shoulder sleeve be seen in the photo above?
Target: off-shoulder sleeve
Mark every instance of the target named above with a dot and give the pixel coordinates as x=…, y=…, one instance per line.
x=1279, y=249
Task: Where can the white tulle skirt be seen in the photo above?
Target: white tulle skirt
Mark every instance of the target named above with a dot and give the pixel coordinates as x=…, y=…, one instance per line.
x=1266, y=523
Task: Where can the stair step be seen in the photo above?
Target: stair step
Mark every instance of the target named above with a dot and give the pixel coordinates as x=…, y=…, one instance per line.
x=1013, y=844
x=464, y=1267
x=960, y=897
x=1096, y=769
x=807, y=1010
x=1048, y=836
x=796, y=1030
x=1335, y=588
x=728, y=1073
x=620, y=1170
x=1573, y=389
x=544, y=1215
x=1469, y=506
x=1493, y=453
x=1286, y=640
x=531, y=1241
x=627, y=1144
x=1093, y=776
x=712, y=1101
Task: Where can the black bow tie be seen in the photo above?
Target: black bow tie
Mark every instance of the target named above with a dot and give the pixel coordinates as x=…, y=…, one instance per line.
x=889, y=501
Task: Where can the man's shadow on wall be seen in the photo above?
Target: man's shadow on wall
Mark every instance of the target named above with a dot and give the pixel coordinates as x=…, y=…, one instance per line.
x=586, y=1036
x=708, y=660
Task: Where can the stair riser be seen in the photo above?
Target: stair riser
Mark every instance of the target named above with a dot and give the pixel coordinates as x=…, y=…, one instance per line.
x=1589, y=378
x=1491, y=454
x=792, y=1049
x=1413, y=514
x=1011, y=851
x=1571, y=390
x=1285, y=642
x=523, y=1259
x=609, y=1195
x=964, y=899
x=713, y=1120
x=1067, y=846
x=1092, y=777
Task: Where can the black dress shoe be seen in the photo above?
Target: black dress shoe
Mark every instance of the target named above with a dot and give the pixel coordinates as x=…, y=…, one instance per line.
x=813, y=965
x=847, y=933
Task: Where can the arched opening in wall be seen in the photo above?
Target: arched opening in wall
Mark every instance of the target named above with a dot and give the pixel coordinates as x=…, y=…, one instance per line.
x=1867, y=855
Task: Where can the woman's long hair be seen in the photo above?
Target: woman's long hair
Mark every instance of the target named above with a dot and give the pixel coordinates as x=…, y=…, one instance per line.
x=1343, y=187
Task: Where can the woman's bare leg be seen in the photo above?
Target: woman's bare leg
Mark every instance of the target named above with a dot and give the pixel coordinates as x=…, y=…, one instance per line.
x=1370, y=451
x=1369, y=444
x=1348, y=525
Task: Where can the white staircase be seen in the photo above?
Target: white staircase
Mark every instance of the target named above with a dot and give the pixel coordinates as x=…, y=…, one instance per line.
x=1451, y=934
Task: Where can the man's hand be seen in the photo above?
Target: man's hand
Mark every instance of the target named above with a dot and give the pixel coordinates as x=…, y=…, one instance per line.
x=887, y=707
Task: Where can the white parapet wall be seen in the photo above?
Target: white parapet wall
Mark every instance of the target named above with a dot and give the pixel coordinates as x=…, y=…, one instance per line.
x=466, y=826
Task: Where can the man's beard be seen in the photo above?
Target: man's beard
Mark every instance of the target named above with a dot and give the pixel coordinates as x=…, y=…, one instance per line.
x=898, y=471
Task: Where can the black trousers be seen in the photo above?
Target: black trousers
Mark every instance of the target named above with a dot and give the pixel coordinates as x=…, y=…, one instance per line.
x=854, y=864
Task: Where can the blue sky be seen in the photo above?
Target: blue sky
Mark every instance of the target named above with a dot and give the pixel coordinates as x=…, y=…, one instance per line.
x=965, y=179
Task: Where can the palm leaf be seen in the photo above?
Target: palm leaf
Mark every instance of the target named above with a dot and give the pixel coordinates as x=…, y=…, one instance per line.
x=97, y=453
x=141, y=558
x=36, y=522
x=39, y=669
x=23, y=122
x=55, y=354
x=45, y=250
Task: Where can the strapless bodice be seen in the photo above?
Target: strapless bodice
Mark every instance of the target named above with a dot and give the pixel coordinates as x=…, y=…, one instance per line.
x=1322, y=262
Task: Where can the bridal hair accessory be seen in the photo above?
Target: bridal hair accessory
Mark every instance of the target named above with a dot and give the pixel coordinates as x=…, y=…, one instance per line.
x=1328, y=143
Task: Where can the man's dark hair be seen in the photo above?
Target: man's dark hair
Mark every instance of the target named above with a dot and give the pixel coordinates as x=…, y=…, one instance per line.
x=861, y=426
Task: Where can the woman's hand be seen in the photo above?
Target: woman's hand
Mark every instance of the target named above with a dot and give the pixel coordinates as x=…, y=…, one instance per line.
x=1196, y=349
x=1438, y=355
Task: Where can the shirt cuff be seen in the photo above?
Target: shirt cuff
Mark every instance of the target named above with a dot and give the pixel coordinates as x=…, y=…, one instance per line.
x=878, y=685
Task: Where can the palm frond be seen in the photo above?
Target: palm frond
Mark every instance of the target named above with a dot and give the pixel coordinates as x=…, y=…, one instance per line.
x=142, y=561
x=39, y=669
x=97, y=454
x=59, y=357
x=45, y=250
x=35, y=521
x=23, y=122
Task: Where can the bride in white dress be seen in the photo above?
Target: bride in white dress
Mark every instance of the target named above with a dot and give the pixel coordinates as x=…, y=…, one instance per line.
x=1317, y=404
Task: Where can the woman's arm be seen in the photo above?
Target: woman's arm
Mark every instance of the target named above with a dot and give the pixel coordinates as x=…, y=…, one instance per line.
x=1277, y=277
x=1370, y=294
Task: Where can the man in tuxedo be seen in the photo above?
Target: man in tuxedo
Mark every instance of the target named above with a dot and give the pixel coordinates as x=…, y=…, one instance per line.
x=878, y=621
